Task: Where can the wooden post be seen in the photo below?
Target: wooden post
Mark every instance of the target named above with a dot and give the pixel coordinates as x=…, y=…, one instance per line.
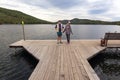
x=23, y=30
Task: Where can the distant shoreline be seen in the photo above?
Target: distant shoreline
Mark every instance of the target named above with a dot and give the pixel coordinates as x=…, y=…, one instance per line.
x=63, y=24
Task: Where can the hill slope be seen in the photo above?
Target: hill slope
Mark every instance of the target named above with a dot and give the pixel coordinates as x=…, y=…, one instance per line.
x=15, y=17
x=88, y=21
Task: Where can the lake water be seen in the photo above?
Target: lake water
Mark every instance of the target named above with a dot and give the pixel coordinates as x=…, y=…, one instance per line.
x=107, y=64
x=16, y=67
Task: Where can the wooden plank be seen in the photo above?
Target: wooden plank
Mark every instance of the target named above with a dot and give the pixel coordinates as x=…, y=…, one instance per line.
x=66, y=63
x=62, y=74
x=17, y=44
x=91, y=73
x=42, y=57
x=57, y=71
x=80, y=65
x=44, y=67
x=50, y=74
x=76, y=70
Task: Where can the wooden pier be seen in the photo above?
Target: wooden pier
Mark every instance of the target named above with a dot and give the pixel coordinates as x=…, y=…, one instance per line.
x=62, y=61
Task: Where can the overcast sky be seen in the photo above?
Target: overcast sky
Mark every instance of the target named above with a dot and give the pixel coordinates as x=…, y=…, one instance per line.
x=54, y=10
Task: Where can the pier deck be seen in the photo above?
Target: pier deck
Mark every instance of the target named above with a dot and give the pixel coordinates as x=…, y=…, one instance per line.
x=62, y=61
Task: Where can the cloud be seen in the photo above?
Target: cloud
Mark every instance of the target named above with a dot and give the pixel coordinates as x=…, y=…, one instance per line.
x=53, y=10
x=37, y=3
x=63, y=4
x=99, y=6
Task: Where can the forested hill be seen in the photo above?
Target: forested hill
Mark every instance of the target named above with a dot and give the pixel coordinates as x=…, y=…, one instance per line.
x=88, y=21
x=8, y=16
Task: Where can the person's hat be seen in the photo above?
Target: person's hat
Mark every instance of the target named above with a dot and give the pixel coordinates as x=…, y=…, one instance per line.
x=59, y=21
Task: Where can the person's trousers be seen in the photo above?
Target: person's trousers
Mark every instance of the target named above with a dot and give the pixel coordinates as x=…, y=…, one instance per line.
x=68, y=38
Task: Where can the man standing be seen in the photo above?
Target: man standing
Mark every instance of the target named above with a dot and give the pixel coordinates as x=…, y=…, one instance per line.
x=59, y=28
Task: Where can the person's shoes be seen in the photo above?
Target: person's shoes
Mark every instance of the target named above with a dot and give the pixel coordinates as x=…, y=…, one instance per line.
x=61, y=42
x=68, y=43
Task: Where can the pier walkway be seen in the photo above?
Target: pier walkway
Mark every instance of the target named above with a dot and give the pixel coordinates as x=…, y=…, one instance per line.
x=62, y=61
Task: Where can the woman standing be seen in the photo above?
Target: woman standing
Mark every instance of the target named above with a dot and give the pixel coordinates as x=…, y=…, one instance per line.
x=68, y=31
x=59, y=28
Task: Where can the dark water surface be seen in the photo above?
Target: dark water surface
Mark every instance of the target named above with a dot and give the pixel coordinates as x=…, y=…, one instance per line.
x=107, y=64
x=16, y=67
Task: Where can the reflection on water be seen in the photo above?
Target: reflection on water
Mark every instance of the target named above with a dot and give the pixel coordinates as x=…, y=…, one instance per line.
x=107, y=64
